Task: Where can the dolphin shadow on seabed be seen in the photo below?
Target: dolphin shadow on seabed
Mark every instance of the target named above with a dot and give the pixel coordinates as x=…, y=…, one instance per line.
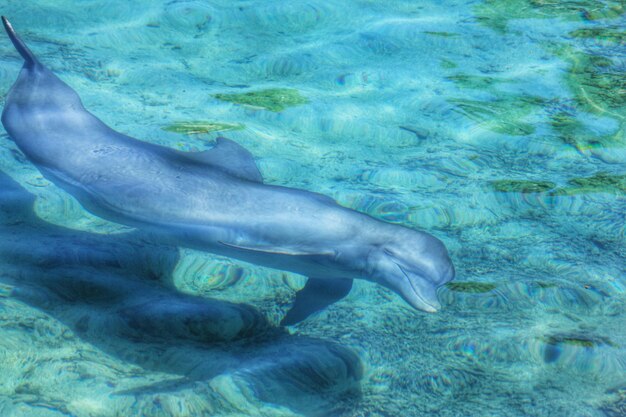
x=114, y=292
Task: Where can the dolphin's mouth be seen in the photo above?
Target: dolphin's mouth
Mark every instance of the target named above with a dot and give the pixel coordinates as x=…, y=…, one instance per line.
x=417, y=299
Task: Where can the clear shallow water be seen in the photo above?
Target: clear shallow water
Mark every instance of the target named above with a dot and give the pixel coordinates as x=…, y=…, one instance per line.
x=499, y=127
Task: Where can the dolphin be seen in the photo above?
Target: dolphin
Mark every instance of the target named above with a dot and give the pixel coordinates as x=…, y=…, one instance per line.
x=215, y=200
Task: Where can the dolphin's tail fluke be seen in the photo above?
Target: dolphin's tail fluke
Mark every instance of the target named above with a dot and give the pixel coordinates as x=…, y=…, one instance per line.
x=19, y=44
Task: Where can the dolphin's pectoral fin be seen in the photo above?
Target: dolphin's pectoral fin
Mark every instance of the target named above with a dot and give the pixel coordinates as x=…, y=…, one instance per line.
x=230, y=157
x=316, y=295
x=275, y=250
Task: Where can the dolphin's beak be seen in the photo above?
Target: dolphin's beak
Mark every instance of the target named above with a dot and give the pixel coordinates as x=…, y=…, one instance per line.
x=425, y=300
x=419, y=293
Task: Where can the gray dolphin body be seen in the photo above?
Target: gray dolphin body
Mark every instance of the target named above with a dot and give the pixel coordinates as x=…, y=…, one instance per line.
x=215, y=200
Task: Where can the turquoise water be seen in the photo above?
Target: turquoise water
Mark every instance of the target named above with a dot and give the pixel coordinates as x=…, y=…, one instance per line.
x=497, y=126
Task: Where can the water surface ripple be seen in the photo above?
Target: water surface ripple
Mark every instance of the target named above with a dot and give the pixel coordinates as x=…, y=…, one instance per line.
x=498, y=126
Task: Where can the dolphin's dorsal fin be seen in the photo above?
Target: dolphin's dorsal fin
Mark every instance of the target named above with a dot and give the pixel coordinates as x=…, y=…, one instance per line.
x=275, y=250
x=229, y=157
x=316, y=295
x=29, y=57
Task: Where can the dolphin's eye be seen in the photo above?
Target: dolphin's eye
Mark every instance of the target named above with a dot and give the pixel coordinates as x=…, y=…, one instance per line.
x=389, y=252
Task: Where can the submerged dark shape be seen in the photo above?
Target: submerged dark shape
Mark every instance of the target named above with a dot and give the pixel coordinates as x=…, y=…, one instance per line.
x=215, y=200
x=115, y=292
x=121, y=276
x=555, y=344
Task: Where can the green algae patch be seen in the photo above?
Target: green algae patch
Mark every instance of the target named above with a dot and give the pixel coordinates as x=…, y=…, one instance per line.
x=201, y=127
x=598, y=87
x=597, y=83
x=495, y=14
x=599, y=183
x=570, y=131
x=474, y=81
x=273, y=99
x=572, y=341
x=446, y=63
x=545, y=285
x=442, y=34
x=578, y=341
x=471, y=287
x=504, y=116
x=608, y=34
x=521, y=186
